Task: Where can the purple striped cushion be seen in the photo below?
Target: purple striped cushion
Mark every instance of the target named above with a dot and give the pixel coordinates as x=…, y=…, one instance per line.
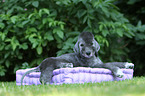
x=73, y=75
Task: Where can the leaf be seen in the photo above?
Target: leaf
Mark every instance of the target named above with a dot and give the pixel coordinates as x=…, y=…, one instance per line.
x=84, y=1
x=128, y=35
x=32, y=38
x=62, y=26
x=7, y=63
x=89, y=23
x=107, y=43
x=139, y=24
x=114, y=6
x=131, y=2
x=48, y=36
x=2, y=47
x=8, y=46
x=58, y=2
x=60, y=34
x=14, y=19
x=32, y=29
x=14, y=43
x=35, y=3
x=33, y=41
x=119, y=32
x=3, y=36
x=2, y=70
x=131, y=33
x=31, y=15
x=125, y=27
x=25, y=22
x=2, y=25
x=39, y=49
x=24, y=46
x=105, y=32
x=14, y=46
x=81, y=13
x=6, y=55
x=25, y=65
x=100, y=27
x=46, y=11
x=140, y=36
x=42, y=11
x=44, y=21
x=105, y=10
x=20, y=57
x=44, y=43
x=34, y=44
x=85, y=19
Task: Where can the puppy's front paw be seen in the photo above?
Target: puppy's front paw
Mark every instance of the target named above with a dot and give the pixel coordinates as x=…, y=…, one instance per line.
x=129, y=65
x=119, y=74
x=70, y=65
x=67, y=65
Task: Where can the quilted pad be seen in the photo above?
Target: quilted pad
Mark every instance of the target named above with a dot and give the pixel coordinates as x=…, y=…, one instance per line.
x=73, y=75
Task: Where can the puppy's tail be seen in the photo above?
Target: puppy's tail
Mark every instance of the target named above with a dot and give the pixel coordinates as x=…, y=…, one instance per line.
x=28, y=72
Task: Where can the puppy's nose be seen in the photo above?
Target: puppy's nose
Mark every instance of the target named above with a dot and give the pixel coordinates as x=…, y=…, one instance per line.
x=88, y=53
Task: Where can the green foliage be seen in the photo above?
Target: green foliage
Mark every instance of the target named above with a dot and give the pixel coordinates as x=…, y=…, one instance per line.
x=32, y=30
x=134, y=11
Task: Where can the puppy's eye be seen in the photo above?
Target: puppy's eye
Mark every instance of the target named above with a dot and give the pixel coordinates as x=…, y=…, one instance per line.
x=81, y=45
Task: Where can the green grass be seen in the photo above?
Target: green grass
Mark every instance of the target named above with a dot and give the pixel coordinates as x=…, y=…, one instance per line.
x=133, y=87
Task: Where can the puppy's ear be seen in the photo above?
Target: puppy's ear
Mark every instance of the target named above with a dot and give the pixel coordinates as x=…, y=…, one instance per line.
x=76, y=47
x=97, y=47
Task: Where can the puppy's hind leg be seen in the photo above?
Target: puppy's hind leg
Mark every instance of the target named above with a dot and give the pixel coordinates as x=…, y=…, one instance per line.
x=122, y=65
x=46, y=75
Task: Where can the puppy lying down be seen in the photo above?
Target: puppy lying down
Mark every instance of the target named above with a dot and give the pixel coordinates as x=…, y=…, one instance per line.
x=85, y=55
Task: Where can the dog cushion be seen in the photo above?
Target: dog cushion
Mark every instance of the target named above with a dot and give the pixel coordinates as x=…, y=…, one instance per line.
x=73, y=75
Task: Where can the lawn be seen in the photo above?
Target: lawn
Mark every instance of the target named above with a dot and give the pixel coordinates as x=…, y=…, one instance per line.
x=133, y=87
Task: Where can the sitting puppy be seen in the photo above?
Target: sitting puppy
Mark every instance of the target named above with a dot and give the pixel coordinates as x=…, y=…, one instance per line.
x=85, y=55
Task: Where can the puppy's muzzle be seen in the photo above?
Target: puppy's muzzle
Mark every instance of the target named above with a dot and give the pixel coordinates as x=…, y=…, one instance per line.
x=88, y=53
